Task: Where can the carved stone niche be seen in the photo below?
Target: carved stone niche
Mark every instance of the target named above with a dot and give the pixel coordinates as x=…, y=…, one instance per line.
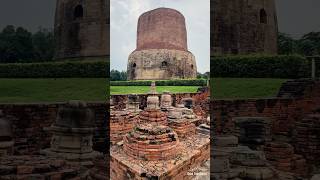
x=72, y=134
x=6, y=136
x=252, y=131
x=188, y=102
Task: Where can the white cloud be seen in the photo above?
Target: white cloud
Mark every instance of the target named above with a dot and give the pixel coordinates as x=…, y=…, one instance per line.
x=124, y=19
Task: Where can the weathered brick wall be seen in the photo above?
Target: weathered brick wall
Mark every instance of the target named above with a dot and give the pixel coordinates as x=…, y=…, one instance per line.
x=237, y=27
x=28, y=121
x=162, y=49
x=201, y=103
x=162, y=28
x=284, y=111
x=148, y=64
x=86, y=36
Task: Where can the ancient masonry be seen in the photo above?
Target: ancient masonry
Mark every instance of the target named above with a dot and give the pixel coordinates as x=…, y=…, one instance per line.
x=162, y=50
x=81, y=29
x=243, y=27
x=163, y=143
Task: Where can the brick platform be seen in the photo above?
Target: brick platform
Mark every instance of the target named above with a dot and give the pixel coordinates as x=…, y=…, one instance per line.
x=183, y=127
x=121, y=122
x=153, y=116
x=151, y=143
x=194, y=151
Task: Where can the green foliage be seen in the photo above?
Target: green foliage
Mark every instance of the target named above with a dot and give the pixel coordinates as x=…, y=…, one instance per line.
x=63, y=69
x=205, y=75
x=307, y=45
x=20, y=45
x=190, y=82
x=116, y=75
x=258, y=66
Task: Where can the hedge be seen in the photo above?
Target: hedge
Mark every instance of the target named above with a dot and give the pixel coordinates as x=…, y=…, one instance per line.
x=189, y=82
x=259, y=66
x=59, y=69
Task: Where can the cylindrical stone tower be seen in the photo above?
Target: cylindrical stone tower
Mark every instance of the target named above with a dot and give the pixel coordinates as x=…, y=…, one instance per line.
x=81, y=29
x=244, y=27
x=162, y=49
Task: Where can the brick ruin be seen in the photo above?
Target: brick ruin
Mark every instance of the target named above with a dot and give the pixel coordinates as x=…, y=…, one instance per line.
x=284, y=130
x=82, y=29
x=164, y=144
x=243, y=27
x=273, y=138
x=162, y=50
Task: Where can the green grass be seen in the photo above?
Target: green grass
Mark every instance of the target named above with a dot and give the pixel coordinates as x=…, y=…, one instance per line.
x=146, y=89
x=94, y=89
x=244, y=88
x=52, y=90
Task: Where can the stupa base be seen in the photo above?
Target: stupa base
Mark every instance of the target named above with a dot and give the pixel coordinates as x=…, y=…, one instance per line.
x=193, y=152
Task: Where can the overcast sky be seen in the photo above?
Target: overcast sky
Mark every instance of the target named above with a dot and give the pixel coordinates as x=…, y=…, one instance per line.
x=124, y=19
x=295, y=17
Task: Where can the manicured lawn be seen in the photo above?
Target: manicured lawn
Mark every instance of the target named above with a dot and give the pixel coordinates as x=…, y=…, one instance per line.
x=242, y=88
x=95, y=89
x=52, y=90
x=146, y=89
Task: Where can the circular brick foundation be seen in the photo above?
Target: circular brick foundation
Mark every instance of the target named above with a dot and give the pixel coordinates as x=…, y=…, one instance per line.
x=121, y=122
x=153, y=116
x=151, y=143
x=183, y=127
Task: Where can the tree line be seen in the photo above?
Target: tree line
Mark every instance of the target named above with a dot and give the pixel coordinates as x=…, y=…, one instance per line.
x=18, y=45
x=116, y=75
x=307, y=45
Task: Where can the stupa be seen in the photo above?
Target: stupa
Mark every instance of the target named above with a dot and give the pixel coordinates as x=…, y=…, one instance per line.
x=72, y=134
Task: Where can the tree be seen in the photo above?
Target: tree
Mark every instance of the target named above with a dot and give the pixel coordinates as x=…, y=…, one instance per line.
x=116, y=75
x=20, y=45
x=43, y=45
x=309, y=44
x=286, y=44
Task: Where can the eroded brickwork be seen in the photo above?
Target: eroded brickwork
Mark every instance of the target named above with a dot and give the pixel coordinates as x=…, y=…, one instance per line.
x=162, y=49
x=81, y=29
x=243, y=27
x=29, y=121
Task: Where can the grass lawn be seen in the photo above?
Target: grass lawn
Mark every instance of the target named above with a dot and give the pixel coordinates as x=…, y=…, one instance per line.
x=52, y=90
x=94, y=89
x=243, y=88
x=146, y=89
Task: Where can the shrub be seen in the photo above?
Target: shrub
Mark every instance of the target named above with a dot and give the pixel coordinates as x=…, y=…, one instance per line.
x=63, y=69
x=189, y=82
x=291, y=67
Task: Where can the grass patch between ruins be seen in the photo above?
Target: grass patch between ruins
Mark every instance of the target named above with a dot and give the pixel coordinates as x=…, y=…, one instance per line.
x=52, y=90
x=244, y=88
x=95, y=89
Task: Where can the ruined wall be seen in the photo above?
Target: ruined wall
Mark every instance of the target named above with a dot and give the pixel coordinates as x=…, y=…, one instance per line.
x=284, y=110
x=201, y=103
x=81, y=28
x=161, y=64
x=162, y=49
x=28, y=121
x=243, y=27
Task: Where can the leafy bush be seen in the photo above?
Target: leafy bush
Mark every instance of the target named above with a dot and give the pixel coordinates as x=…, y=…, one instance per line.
x=63, y=69
x=190, y=82
x=258, y=66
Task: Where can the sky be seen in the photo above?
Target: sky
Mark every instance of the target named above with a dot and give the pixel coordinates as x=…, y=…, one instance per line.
x=295, y=17
x=124, y=20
